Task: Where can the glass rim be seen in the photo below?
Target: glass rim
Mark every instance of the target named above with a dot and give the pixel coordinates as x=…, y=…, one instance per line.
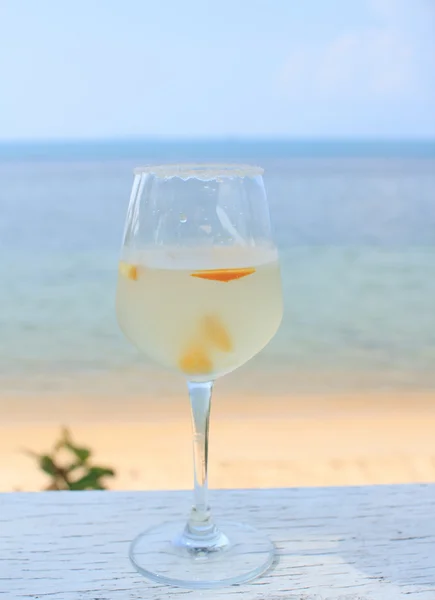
x=200, y=170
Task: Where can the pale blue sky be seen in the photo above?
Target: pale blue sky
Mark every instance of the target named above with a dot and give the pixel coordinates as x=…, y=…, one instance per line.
x=288, y=68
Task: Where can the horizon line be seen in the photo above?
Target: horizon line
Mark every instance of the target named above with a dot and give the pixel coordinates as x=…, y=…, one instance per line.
x=220, y=139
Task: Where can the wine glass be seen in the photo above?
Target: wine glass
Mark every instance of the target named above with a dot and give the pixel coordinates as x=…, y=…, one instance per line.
x=199, y=292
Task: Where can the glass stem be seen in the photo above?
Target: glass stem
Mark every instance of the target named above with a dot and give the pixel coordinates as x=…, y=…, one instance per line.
x=200, y=524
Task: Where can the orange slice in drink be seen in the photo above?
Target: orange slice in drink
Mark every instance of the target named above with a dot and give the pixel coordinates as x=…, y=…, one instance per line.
x=224, y=275
x=196, y=361
x=127, y=270
x=216, y=334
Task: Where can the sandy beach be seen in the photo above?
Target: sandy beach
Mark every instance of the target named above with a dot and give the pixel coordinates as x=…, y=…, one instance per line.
x=301, y=440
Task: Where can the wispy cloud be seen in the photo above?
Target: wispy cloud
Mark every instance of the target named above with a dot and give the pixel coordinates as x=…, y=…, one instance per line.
x=387, y=59
x=373, y=61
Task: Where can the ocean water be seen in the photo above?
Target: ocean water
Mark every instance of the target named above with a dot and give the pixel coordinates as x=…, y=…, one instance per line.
x=355, y=226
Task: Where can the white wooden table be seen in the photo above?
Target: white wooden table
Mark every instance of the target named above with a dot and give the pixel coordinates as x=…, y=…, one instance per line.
x=368, y=543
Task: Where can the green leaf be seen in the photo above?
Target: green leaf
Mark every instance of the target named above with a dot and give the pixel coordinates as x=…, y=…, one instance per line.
x=82, y=453
x=101, y=472
x=99, y=486
x=46, y=463
x=89, y=477
x=87, y=482
x=81, y=484
x=91, y=481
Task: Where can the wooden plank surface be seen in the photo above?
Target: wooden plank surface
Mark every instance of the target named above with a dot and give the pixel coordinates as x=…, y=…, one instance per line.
x=368, y=543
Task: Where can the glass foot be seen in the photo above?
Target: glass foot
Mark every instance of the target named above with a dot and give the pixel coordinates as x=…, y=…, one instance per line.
x=161, y=554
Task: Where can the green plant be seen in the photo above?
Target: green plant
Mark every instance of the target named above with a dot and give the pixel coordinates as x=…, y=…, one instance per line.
x=70, y=467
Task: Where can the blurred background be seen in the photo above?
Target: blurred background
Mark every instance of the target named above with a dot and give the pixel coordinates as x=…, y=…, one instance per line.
x=335, y=100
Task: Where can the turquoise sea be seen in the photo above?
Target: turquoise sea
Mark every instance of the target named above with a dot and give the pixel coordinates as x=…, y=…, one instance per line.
x=355, y=225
